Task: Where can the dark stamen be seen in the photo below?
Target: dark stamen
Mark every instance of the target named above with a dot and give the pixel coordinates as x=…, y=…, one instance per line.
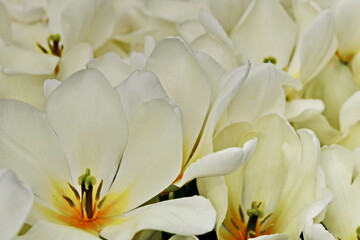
x=76, y=193
x=69, y=201
x=98, y=190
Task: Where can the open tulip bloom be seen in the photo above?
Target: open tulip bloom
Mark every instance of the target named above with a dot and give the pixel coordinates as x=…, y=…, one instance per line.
x=90, y=168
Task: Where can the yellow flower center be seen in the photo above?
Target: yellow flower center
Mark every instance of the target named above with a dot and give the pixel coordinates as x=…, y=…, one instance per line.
x=237, y=228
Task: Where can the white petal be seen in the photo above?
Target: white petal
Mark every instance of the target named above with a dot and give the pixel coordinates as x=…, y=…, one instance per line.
x=112, y=66
x=228, y=12
x=87, y=21
x=300, y=110
x=15, y=203
x=50, y=85
x=154, y=144
x=214, y=28
x=138, y=88
x=86, y=115
x=317, y=232
x=215, y=190
x=184, y=82
x=347, y=30
x=15, y=60
x=28, y=129
x=75, y=59
x=219, y=163
x=325, y=87
x=256, y=38
x=46, y=230
x=190, y=30
x=23, y=87
x=262, y=93
x=175, y=11
x=277, y=236
x=349, y=114
x=234, y=81
x=318, y=46
x=216, y=49
x=5, y=27
x=180, y=237
x=184, y=216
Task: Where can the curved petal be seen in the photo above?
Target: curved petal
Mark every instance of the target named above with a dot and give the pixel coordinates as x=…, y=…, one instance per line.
x=300, y=110
x=318, y=46
x=184, y=216
x=50, y=85
x=15, y=203
x=15, y=60
x=86, y=115
x=180, y=237
x=184, y=82
x=267, y=38
x=87, y=21
x=349, y=114
x=218, y=163
x=316, y=232
x=347, y=30
x=112, y=66
x=29, y=130
x=154, y=145
x=75, y=59
x=228, y=12
x=215, y=190
x=46, y=230
x=138, y=88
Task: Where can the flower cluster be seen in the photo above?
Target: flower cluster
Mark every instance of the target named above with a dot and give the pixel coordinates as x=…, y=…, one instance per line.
x=179, y=119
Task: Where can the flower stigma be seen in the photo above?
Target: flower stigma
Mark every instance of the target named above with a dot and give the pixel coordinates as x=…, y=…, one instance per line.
x=238, y=228
x=55, y=48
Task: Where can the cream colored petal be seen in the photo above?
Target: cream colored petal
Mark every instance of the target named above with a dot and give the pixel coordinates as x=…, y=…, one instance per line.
x=347, y=31
x=180, y=237
x=86, y=115
x=214, y=72
x=88, y=21
x=277, y=236
x=184, y=82
x=112, y=66
x=215, y=190
x=29, y=130
x=214, y=28
x=15, y=60
x=338, y=165
x=228, y=12
x=262, y=93
x=50, y=85
x=349, y=115
x=190, y=30
x=317, y=232
x=325, y=87
x=233, y=83
x=184, y=216
x=351, y=139
x=15, y=200
x=218, y=163
x=23, y=87
x=318, y=46
x=5, y=27
x=154, y=144
x=45, y=230
x=260, y=33
x=175, y=11
x=300, y=110
x=138, y=88
x=216, y=49
x=74, y=60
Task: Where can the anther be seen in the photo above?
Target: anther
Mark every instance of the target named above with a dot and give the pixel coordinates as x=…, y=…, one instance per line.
x=76, y=193
x=69, y=201
x=270, y=59
x=234, y=224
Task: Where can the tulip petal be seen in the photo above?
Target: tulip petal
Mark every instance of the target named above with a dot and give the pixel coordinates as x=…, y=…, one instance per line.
x=157, y=128
x=15, y=200
x=86, y=115
x=185, y=216
x=45, y=230
x=185, y=84
x=138, y=88
x=300, y=110
x=316, y=232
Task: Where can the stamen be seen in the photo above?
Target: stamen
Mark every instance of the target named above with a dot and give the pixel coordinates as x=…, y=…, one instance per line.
x=86, y=181
x=101, y=202
x=234, y=223
x=69, y=201
x=254, y=213
x=266, y=218
x=76, y=193
x=99, y=190
x=241, y=213
x=270, y=59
